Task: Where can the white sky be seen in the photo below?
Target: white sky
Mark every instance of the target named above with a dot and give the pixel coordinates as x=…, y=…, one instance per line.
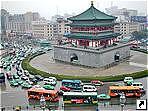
x=48, y=8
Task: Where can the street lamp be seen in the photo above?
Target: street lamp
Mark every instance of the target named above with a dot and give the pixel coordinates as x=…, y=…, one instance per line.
x=42, y=102
x=122, y=100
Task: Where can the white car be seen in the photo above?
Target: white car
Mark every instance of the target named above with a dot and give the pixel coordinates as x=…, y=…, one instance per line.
x=30, y=82
x=128, y=80
x=89, y=88
x=138, y=84
x=53, y=78
x=49, y=81
x=24, y=77
x=26, y=72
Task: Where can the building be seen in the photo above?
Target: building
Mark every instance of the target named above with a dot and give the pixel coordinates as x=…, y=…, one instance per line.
x=141, y=19
x=60, y=28
x=31, y=16
x=41, y=29
x=18, y=23
x=50, y=30
x=91, y=41
x=4, y=20
x=126, y=28
x=122, y=14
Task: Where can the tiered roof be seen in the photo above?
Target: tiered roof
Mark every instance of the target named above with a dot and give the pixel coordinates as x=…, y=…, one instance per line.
x=91, y=36
x=92, y=14
x=92, y=17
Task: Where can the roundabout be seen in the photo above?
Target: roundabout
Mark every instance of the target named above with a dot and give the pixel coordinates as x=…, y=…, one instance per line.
x=45, y=65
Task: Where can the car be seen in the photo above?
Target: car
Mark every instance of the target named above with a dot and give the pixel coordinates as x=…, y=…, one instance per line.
x=36, y=86
x=63, y=88
x=5, y=66
x=38, y=77
x=139, y=85
x=128, y=80
x=97, y=83
x=34, y=80
x=13, y=65
x=30, y=82
x=26, y=72
x=8, y=68
x=24, y=77
x=9, y=75
x=18, y=62
x=103, y=97
x=13, y=83
x=15, y=76
x=31, y=76
x=89, y=88
x=48, y=87
x=53, y=78
x=26, y=85
x=49, y=81
x=19, y=73
x=19, y=81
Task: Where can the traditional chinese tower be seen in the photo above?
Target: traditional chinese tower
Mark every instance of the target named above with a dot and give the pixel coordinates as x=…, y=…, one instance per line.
x=92, y=28
x=92, y=41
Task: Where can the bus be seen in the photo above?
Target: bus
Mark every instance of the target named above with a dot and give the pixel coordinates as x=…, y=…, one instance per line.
x=72, y=84
x=129, y=91
x=36, y=93
x=80, y=98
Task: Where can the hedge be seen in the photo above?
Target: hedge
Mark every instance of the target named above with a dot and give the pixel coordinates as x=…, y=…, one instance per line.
x=33, y=71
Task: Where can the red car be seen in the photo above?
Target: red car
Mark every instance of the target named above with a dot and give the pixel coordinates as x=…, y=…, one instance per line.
x=63, y=88
x=97, y=82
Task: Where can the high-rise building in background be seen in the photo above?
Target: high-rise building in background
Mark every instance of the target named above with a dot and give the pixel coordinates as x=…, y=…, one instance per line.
x=4, y=20
x=31, y=16
x=17, y=23
x=128, y=21
x=122, y=14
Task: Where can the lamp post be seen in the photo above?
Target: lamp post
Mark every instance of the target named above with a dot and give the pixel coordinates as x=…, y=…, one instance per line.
x=42, y=102
x=122, y=100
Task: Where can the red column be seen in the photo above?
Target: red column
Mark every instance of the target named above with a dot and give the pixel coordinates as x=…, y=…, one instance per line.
x=95, y=43
x=98, y=43
x=76, y=42
x=108, y=42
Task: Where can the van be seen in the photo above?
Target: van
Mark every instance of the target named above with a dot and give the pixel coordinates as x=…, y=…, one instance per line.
x=89, y=88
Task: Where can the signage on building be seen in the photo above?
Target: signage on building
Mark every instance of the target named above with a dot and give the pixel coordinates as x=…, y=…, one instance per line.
x=141, y=19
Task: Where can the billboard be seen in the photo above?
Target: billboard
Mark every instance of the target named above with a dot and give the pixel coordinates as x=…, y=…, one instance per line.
x=141, y=19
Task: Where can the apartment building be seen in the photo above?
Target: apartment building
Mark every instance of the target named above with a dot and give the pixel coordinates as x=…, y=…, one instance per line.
x=41, y=29
x=50, y=30
x=126, y=28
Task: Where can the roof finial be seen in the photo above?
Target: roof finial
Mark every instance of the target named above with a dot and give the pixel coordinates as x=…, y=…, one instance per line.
x=92, y=3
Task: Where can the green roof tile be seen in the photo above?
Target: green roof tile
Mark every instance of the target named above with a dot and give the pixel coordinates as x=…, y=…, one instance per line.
x=92, y=37
x=92, y=14
x=92, y=24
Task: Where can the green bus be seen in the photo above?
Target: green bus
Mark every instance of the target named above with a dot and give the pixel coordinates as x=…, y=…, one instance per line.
x=88, y=98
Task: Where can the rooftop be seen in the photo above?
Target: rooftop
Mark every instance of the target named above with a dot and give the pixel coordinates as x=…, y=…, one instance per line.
x=92, y=14
x=91, y=36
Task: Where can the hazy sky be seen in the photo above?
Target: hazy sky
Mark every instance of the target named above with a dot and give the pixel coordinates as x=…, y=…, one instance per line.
x=48, y=8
